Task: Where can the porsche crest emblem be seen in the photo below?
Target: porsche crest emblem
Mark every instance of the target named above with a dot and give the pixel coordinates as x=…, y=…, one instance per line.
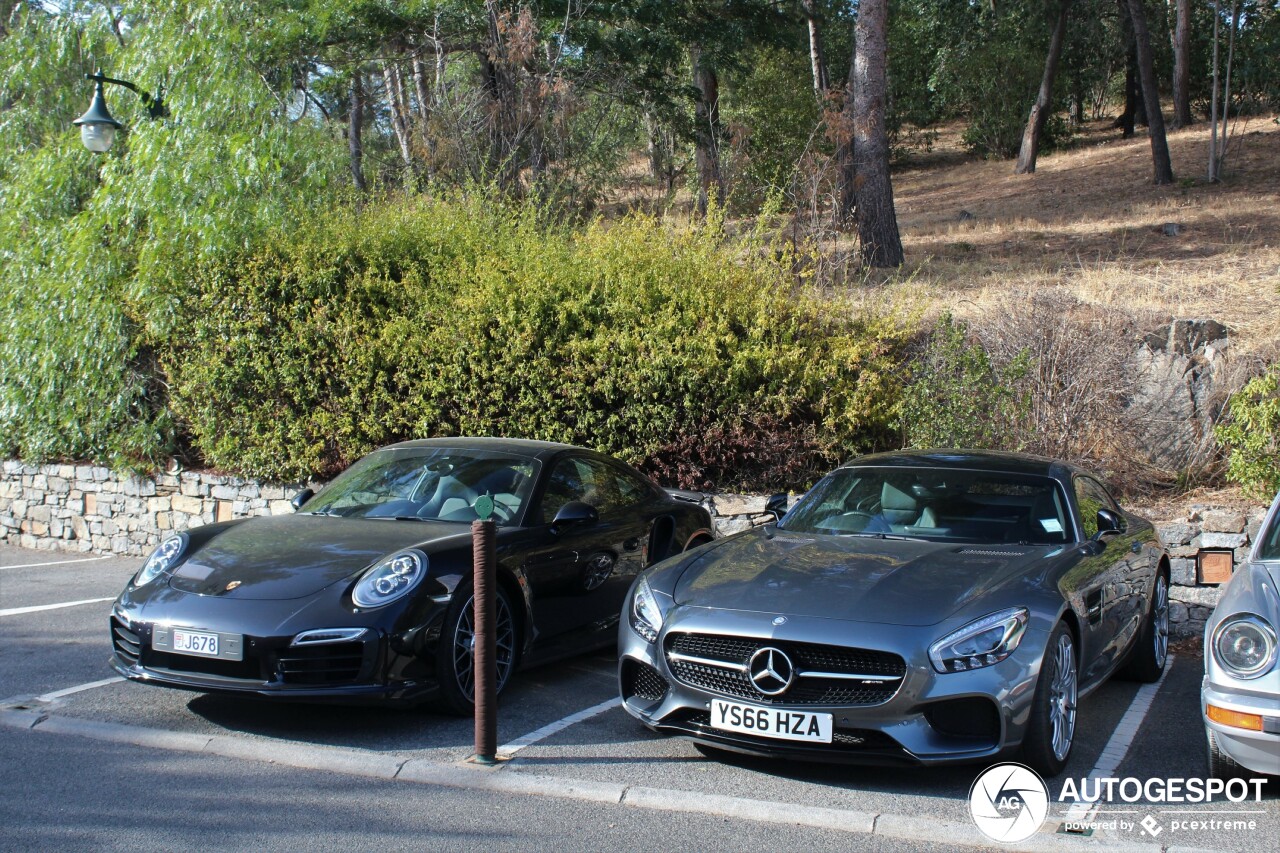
x=232, y=586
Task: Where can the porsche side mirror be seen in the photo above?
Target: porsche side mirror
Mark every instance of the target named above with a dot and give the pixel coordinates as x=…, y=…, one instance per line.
x=777, y=506
x=574, y=513
x=302, y=497
x=1110, y=523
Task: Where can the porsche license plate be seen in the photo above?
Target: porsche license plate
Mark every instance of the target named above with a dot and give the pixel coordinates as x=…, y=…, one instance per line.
x=777, y=723
x=195, y=643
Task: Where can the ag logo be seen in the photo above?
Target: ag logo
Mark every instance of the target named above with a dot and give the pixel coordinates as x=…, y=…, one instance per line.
x=1009, y=802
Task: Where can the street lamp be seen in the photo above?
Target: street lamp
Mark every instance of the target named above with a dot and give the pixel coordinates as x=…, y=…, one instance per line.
x=97, y=127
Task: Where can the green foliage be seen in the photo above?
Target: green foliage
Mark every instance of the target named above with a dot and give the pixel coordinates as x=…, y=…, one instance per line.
x=465, y=317
x=966, y=60
x=96, y=250
x=1251, y=435
x=773, y=123
x=957, y=398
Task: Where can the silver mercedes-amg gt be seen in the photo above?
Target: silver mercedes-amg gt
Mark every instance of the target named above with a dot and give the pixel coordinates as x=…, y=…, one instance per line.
x=917, y=607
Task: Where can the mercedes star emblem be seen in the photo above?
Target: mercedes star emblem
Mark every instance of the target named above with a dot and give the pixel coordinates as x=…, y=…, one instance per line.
x=771, y=671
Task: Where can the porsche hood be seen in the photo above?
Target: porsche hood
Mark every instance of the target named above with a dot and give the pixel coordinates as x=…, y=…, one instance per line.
x=294, y=556
x=863, y=579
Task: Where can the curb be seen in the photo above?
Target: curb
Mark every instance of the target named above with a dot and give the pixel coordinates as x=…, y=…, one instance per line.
x=516, y=782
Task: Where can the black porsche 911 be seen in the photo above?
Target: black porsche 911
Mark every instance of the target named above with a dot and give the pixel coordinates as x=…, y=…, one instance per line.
x=365, y=592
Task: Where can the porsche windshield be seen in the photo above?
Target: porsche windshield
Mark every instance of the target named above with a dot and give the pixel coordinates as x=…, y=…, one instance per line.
x=431, y=483
x=934, y=503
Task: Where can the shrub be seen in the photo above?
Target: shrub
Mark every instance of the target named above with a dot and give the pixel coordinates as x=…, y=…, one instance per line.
x=1076, y=382
x=438, y=317
x=957, y=398
x=771, y=126
x=1251, y=435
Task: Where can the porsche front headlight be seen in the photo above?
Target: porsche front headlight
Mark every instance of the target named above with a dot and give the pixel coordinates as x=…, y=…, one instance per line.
x=987, y=641
x=162, y=559
x=390, y=580
x=1245, y=645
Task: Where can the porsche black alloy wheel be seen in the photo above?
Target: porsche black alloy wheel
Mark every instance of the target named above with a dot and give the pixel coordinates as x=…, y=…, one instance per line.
x=1051, y=730
x=456, y=655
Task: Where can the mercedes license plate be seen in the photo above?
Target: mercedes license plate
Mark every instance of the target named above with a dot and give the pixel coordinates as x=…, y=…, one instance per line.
x=777, y=723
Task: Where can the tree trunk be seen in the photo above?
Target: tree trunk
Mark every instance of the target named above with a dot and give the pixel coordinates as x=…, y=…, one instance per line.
x=1181, y=38
x=1213, y=99
x=355, y=124
x=1132, y=92
x=1163, y=168
x=503, y=121
x=1218, y=141
x=817, y=60
x=844, y=152
x=1044, y=100
x=1127, y=119
x=421, y=91
x=706, y=131
x=880, y=244
x=399, y=115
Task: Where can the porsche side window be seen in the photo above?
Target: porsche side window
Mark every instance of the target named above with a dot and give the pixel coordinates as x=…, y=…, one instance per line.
x=631, y=488
x=564, y=484
x=607, y=491
x=1091, y=497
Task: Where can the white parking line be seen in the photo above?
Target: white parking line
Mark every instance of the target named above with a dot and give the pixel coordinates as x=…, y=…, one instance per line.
x=1121, y=739
x=58, y=694
x=548, y=730
x=53, y=563
x=18, y=611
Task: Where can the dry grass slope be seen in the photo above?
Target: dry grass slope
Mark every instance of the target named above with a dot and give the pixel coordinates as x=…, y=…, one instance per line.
x=1089, y=223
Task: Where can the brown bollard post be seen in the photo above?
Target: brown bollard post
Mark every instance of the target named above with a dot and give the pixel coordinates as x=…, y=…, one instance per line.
x=485, y=696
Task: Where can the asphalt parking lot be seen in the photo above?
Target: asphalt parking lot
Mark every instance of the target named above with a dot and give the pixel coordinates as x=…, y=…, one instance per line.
x=564, y=737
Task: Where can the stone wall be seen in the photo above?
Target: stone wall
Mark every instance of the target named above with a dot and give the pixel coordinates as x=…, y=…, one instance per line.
x=87, y=508
x=1203, y=528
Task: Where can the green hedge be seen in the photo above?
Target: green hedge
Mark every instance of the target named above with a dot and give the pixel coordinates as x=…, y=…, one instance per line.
x=663, y=346
x=1251, y=435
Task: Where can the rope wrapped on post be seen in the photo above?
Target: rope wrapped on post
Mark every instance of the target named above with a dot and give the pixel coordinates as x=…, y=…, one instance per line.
x=484, y=554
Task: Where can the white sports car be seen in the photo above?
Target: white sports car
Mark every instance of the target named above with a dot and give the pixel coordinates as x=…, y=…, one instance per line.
x=1240, y=694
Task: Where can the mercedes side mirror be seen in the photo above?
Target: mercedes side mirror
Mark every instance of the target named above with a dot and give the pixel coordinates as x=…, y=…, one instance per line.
x=1110, y=523
x=302, y=497
x=776, y=506
x=574, y=513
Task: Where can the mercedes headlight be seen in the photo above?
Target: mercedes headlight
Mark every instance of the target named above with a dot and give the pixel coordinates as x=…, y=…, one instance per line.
x=987, y=641
x=646, y=615
x=162, y=559
x=1245, y=645
x=390, y=579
